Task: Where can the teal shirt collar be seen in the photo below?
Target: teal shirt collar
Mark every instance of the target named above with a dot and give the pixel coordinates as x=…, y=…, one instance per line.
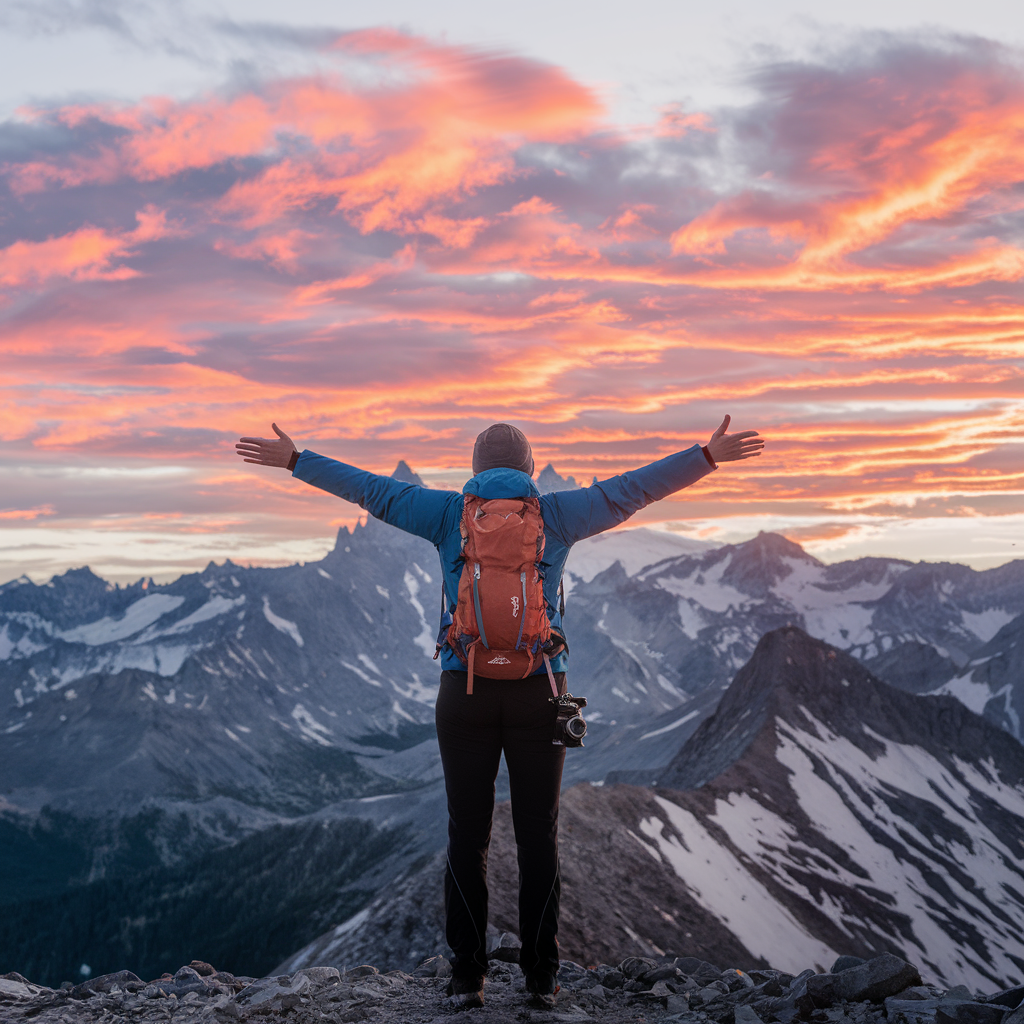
x=501, y=483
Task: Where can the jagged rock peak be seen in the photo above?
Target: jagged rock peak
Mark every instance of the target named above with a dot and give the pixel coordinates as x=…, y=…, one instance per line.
x=548, y=480
x=406, y=475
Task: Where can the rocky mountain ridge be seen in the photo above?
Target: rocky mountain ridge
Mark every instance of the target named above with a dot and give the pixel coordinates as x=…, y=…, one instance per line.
x=669, y=988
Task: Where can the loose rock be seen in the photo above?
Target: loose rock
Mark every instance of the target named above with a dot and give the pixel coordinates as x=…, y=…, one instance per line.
x=970, y=1013
x=655, y=990
x=883, y=976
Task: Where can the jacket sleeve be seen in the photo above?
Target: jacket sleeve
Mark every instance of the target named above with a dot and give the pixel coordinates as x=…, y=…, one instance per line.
x=412, y=508
x=575, y=515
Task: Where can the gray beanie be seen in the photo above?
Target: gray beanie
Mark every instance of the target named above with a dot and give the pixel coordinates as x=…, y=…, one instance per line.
x=502, y=446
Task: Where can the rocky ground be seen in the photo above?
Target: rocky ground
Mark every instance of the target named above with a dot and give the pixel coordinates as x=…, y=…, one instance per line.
x=677, y=989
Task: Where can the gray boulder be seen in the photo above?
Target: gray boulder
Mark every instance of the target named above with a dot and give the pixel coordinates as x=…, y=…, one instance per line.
x=970, y=1013
x=885, y=975
x=844, y=963
x=123, y=980
x=1011, y=997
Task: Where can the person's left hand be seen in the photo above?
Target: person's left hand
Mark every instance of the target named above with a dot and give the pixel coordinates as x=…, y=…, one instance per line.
x=725, y=447
x=267, y=451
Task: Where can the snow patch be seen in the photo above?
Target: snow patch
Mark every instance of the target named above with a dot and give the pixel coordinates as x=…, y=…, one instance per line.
x=973, y=695
x=362, y=675
x=419, y=691
x=690, y=617
x=667, y=685
x=706, y=588
x=724, y=887
x=310, y=727
x=669, y=728
x=281, y=625
x=137, y=617
x=369, y=663
x=425, y=640
x=401, y=712
x=352, y=923
x=984, y=625
x=210, y=610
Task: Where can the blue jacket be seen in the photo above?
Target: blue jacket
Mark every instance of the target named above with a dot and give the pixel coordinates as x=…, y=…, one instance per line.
x=568, y=516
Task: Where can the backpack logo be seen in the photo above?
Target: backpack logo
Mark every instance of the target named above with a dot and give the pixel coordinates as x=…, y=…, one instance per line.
x=515, y=606
x=499, y=660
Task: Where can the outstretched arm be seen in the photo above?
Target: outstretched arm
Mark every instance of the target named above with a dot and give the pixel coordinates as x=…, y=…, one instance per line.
x=591, y=510
x=412, y=508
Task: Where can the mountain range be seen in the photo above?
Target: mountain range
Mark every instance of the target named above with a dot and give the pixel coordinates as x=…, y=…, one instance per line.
x=237, y=715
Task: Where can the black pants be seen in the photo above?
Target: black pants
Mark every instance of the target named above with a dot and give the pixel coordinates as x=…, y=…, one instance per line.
x=513, y=715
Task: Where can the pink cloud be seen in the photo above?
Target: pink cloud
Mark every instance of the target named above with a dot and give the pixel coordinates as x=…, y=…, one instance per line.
x=86, y=254
x=385, y=268
x=26, y=513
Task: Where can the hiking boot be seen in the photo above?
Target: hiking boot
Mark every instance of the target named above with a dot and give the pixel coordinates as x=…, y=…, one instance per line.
x=465, y=993
x=542, y=988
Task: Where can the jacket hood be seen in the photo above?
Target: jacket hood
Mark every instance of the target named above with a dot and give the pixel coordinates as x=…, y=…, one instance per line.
x=501, y=483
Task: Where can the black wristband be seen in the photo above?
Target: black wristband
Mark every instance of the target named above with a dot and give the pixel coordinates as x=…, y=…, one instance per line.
x=292, y=461
x=707, y=455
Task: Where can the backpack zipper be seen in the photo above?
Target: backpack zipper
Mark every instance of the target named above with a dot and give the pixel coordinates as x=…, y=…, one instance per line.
x=476, y=605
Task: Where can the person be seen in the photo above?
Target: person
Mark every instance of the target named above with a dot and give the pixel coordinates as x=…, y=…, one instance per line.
x=516, y=717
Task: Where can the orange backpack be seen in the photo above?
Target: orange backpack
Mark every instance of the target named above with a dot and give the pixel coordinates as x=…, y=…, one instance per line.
x=500, y=624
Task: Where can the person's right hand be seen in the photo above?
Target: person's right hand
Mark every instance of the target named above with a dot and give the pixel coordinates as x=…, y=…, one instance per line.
x=267, y=451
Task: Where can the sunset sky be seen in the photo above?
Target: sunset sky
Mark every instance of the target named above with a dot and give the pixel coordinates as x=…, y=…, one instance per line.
x=609, y=225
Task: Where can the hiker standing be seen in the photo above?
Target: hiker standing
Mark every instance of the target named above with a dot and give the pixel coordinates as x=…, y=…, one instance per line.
x=503, y=547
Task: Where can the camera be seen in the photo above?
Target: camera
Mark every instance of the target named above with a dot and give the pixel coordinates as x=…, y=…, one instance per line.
x=569, y=725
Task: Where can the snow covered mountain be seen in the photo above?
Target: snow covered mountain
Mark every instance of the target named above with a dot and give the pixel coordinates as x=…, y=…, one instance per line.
x=817, y=812
x=274, y=688
x=679, y=629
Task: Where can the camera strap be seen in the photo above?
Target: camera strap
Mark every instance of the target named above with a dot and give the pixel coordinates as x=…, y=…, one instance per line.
x=551, y=676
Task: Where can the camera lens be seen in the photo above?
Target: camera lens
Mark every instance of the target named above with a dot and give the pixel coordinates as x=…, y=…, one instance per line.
x=576, y=727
